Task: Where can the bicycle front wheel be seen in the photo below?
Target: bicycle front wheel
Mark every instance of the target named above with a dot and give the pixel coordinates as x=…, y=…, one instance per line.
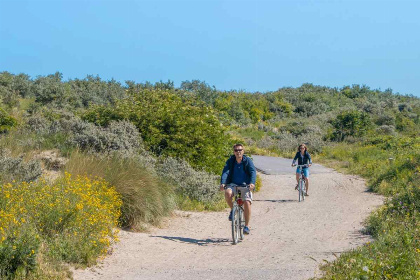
x=301, y=195
x=241, y=223
x=235, y=225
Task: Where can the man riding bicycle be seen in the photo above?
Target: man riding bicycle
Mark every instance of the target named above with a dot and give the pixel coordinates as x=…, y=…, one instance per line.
x=239, y=169
x=303, y=157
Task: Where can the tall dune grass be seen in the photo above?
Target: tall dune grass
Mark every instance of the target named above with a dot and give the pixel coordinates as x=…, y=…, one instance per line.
x=146, y=198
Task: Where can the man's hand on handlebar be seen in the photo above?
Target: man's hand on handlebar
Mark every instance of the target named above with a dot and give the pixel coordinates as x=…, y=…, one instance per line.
x=223, y=187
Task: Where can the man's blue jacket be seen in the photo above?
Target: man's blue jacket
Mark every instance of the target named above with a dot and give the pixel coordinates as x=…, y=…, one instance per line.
x=248, y=167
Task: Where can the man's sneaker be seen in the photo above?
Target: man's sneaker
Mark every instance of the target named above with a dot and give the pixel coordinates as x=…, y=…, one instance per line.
x=246, y=230
x=230, y=216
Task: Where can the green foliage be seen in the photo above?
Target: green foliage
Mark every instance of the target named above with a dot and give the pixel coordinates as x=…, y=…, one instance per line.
x=171, y=126
x=18, y=253
x=350, y=123
x=6, y=121
x=244, y=108
x=278, y=105
x=49, y=89
x=405, y=124
x=205, y=92
x=102, y=116
x=16, y=84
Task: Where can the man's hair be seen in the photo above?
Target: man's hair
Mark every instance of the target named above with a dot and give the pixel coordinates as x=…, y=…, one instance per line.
x=237, y=145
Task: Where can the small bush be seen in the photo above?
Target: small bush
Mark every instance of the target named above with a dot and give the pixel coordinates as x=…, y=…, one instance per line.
x=19, y=245
x=6, y=121
x=196, y=185
x=38, y=124
x=12, y=168
x=386, y=130
x=121, y=136
x=286, y=141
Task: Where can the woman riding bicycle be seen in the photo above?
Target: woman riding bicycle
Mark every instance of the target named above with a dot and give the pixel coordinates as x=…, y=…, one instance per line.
x=303, y=157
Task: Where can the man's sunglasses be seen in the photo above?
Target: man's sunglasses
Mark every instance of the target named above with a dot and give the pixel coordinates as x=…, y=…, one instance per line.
x=238, y=150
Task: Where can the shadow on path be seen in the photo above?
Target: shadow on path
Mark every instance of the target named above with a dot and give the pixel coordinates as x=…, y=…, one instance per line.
x=200, y=242
x=275, y=200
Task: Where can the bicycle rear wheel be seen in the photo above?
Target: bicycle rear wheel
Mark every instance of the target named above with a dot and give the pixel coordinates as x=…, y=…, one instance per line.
x=235, y=225
x=241, y=223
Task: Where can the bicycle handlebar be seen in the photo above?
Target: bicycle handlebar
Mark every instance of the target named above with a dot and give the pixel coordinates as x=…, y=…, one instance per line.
x=238, y=186
x=303, y=165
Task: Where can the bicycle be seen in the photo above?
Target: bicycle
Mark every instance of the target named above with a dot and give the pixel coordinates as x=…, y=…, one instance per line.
x=238, y=217
x=302, y=182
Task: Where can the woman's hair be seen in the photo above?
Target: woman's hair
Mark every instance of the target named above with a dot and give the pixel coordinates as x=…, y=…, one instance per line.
x=302, y=145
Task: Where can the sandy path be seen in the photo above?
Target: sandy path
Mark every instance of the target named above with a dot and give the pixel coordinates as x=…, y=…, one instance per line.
x=288, y=239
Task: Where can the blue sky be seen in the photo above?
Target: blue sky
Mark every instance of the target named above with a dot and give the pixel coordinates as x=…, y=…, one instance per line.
x=249, y=45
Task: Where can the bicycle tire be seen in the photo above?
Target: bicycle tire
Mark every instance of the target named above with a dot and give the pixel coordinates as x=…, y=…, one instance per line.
x=241, y=223
x=235, y=225
x=301, y=197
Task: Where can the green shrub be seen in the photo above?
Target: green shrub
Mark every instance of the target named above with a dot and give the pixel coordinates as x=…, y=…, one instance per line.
x=172, y=126
x=18, y=251
x=196, y=185
x=102, y=116
x=15, y=168
x=350, y=123
x=6, y=121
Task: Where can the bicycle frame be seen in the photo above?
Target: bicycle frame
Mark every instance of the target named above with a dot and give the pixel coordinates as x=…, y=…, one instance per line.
x=302, y=182
x=238, y=219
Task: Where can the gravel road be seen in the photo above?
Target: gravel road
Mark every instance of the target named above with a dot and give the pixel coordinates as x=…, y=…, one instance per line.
x=288, y=240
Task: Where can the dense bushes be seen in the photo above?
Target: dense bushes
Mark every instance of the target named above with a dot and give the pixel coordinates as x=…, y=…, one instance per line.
x=171, y=126
x=350, y=123
x=119, y=136
x=75, y=93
